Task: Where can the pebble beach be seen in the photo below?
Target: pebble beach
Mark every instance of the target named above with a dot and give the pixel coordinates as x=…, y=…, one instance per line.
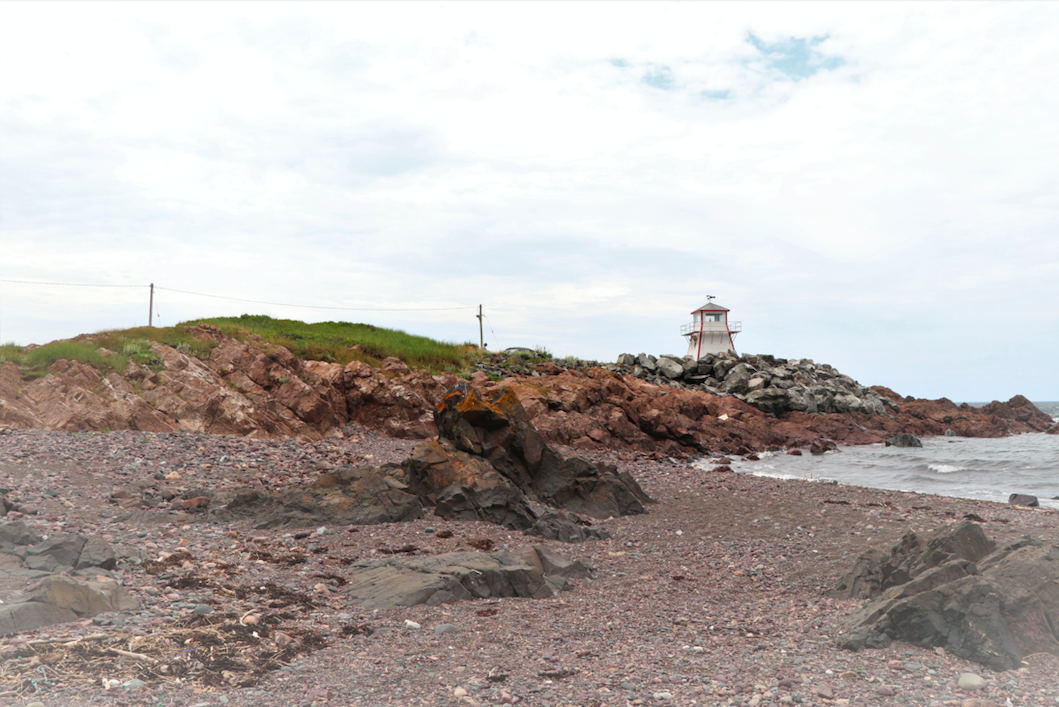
x=720, y=594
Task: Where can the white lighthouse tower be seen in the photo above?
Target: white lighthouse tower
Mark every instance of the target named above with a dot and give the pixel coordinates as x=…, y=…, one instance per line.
x=710, y=332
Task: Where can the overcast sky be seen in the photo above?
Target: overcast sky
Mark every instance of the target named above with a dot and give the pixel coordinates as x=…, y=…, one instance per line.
x=868, y=185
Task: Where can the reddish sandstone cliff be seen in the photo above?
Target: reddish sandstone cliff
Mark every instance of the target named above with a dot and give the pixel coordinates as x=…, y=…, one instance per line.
x=253, y=388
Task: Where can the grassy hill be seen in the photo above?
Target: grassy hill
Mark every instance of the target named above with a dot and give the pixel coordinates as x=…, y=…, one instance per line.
x=338, y=342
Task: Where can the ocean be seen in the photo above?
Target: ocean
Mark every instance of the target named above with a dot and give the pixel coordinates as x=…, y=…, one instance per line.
x=963, y=467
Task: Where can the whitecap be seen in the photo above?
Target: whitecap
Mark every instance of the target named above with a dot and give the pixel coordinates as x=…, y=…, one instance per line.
x=945, y=468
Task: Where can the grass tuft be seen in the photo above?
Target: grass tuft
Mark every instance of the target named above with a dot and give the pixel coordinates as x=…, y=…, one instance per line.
x=342, y=342
x=337, y=342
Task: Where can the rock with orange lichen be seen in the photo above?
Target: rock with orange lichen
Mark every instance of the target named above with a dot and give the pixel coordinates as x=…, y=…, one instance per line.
x=493, y=427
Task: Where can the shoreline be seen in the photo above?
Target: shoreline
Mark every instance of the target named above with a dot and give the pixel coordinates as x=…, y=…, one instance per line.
x=735, y=565
x=865, y=459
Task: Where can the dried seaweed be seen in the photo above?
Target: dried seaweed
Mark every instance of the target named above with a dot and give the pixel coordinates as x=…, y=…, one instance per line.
x=212, y=650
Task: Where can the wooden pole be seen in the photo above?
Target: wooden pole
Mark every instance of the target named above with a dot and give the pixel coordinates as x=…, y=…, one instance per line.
x=481, y=337
x=150, y=308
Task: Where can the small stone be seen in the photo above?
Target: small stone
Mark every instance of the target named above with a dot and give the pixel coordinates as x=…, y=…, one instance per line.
x=506, y=698
x=459, y=692
x=172, y=476
x=408, y=623
x=133, y=684
x=825, y=691
x=202, y=609
x=885, y=691
x=628, y=686
x=445, y=628
x=322, y=530
x=663, y=695
x=970, y=681
x=282, y=640
x=939, y=650
x=34, y=704
x=345, y=617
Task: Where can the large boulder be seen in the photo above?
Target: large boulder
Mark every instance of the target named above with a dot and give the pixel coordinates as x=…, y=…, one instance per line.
x=958, y=591
x=347, y=496
x=24, y=554
x=530, y=571
x=59, y=599
x=738, y=379
x=671, y=367
x=904, y=440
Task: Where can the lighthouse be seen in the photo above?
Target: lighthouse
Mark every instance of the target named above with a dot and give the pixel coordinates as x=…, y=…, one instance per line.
x=710, y=332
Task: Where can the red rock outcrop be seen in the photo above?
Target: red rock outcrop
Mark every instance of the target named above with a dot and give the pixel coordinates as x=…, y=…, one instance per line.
x=254, y=388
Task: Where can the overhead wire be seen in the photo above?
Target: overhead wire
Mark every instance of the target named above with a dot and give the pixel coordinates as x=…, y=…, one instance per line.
x=251, y=301
x=67, y=284
x=313, y=306
x=491, y=330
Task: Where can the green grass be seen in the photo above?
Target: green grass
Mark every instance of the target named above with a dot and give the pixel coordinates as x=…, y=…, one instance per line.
x=338, y=342
x=342, y=342
x=33, y=362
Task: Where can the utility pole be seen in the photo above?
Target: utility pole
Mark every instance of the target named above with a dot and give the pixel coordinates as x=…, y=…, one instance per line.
x=150, y=308
x=481, y=337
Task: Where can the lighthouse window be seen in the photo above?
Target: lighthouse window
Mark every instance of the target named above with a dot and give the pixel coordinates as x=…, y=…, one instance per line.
x=711, y=317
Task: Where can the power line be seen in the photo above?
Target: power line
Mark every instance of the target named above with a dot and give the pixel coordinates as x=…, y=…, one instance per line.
x=313, y=306
x=66, y=284
x=251, y=301
x=491, y=330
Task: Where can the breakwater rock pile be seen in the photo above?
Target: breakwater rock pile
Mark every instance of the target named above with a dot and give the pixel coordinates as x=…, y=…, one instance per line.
x=772, y=385
x=724, y=405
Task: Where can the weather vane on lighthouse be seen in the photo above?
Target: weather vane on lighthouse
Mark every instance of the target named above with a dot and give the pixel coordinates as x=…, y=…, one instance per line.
x=710, y=332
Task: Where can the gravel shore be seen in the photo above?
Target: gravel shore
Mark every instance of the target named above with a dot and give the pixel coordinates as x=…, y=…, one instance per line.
x=718, y=595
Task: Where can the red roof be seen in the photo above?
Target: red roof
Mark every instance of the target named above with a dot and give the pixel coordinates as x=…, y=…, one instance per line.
x=711, y=307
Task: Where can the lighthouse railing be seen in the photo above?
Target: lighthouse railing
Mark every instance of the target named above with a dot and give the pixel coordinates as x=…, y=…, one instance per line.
x=711, y=328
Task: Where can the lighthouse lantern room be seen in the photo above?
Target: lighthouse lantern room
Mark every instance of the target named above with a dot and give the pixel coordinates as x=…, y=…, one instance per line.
x=710, y=332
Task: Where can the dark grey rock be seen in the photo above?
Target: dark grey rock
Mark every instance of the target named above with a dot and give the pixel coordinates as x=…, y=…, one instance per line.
x=904, y=440
x=566, y=527
x=670, y=368
x=737, y=379
x=17, y=533
x=1023, y=499
x=957, y=590
x=346, y=496
x=530, y=571
x=63, y=548
x=60, y=599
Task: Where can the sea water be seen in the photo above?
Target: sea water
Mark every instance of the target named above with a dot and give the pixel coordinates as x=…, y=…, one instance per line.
x=964, y=467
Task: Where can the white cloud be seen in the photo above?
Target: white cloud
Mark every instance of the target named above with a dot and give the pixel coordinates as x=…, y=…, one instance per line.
x=513, y=154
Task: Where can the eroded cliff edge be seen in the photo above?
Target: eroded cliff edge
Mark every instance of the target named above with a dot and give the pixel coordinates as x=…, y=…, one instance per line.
x=254, y=388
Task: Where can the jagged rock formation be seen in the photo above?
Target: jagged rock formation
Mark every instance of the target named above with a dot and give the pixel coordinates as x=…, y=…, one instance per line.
x=489, y=463
x=253, y=388
x=958, y=591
